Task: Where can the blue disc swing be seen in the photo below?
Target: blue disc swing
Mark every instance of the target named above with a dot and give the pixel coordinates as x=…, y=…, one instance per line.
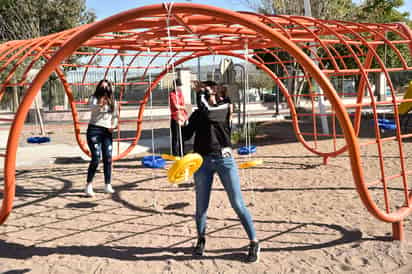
x=386, y=124
x=38, y=139
x=383, y=123
x=246, y=150
x=153, y=161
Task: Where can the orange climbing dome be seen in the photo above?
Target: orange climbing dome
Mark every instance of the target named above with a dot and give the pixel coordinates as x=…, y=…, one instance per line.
x=308, y=54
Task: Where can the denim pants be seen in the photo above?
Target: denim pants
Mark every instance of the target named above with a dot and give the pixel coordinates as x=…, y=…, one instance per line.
x=100, y=141
x=227, y=170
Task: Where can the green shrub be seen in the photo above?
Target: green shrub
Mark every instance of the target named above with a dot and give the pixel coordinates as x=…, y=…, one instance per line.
x=239, y=135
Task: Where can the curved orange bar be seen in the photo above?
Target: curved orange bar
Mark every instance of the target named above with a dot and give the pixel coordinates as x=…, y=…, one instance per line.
x=94, y=29
x=266, y=37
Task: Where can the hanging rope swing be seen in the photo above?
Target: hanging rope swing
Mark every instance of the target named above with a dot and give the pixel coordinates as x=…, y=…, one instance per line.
x=153, y=161
x=37, y=117
x=183, y=169
x=38, y=139
x=250, y=164
x=248, y=149
x=169, y=157
x=386, y=124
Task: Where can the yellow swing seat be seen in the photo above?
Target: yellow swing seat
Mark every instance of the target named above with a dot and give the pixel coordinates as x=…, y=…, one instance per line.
x=170, y=157
x=183, y=168
x=250, y=164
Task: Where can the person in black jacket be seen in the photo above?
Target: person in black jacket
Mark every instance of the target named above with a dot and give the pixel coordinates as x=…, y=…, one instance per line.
x=210, y=124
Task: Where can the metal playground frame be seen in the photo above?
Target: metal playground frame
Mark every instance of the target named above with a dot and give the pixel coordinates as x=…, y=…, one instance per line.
x=159, y=37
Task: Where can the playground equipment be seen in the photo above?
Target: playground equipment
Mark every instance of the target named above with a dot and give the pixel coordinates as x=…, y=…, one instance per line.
x=303, y=50
x=245, y=150
x=386, y=124
x=38, y=139
x=405, y=107
x=153, y=161
x=250, y=164
x=42, y=138
x=170, y=157
x=183, y=168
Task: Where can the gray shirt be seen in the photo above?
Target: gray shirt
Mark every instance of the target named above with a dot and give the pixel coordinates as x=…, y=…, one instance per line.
x=103, y=116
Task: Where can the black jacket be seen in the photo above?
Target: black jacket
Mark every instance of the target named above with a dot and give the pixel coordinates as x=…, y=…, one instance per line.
x=210, y=124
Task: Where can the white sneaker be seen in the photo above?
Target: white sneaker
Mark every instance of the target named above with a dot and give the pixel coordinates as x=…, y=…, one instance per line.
x=108, y=188
x=89, y=190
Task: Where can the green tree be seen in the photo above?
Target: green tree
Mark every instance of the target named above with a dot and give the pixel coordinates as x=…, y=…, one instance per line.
x=387, y=11
x=373, y=11
x=27, y=19
x=322, y=9
x=383, y=11
x=261, y=81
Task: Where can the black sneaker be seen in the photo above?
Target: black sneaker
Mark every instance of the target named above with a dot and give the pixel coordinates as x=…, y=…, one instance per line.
x=200, y=246
x=254, y=251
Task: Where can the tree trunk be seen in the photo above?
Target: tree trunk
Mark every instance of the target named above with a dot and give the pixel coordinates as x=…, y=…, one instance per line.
x=15, y=98
x=299, y=91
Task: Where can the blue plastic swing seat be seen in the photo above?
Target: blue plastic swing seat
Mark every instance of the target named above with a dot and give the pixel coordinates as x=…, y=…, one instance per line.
x=153, y=161
x=246, y=150
x=386, y=124
x=38, y=139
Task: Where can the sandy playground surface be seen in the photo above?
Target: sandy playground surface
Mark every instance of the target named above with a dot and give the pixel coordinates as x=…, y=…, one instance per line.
x=308, y=217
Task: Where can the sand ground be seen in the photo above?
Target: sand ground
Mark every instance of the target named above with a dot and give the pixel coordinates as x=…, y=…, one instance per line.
x=308, y=216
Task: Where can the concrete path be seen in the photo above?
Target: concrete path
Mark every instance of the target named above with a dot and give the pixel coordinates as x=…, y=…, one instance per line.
x=36, y=155
x=48, y=153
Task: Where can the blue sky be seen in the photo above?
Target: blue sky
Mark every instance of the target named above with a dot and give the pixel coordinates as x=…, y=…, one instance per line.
x=408, y=7
x=105, y=8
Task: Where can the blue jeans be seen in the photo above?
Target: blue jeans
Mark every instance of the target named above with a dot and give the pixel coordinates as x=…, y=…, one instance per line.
x=227, y=170
x=100, y=140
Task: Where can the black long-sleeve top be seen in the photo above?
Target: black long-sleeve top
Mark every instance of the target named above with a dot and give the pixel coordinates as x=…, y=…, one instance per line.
x=210, y=124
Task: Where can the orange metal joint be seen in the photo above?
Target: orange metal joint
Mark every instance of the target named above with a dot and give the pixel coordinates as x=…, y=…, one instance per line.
x=397, y=231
